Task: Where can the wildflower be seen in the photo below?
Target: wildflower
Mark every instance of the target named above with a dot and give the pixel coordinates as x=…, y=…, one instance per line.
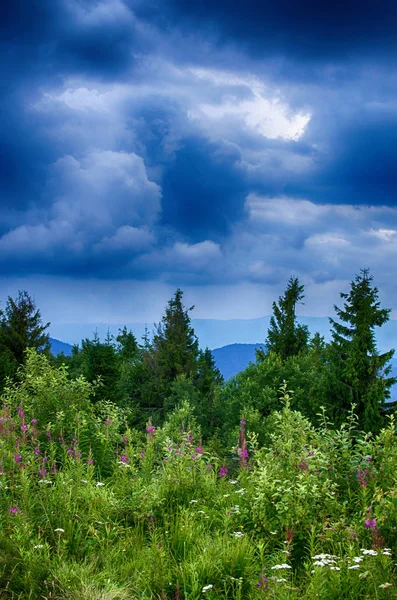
x=386, y=553
x=14, y=510
x=281, y=580
x=108, y=422
x=334, y=569
x=17, y=458
x=38, y=547
x=263, y=581
x=223, y=471
x=207, y=587
x=233, y=481
x=238, y=534
x=150, y=429
x=384, y=586
x=353, y=567
x=368, y=458
x=90, y=462
x=59, y=530
x=33, y=421
x=370, y=552
x=357, y=559
x=23, y=427
x=42, y=473
x=21, y=414
x=303, y=465
x=100, y=484
x=37, y=451
x=283, y=566
x=362, y=477
x=125, y=459
x=370, y=523
x=311, y=453
x=77, y=455
x=69, y=451
x=193, y=501
x=124, y=439
x=142, y=454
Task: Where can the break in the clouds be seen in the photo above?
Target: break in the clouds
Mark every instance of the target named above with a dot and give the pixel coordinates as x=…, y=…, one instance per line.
x=206, y=145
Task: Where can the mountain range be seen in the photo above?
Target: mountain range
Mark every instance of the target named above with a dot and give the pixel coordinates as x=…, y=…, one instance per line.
x=215, y=333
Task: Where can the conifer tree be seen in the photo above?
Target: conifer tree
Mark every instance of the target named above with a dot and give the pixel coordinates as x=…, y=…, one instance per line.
x=361, y=372
x=174, y=350
x=21, y=327
x=285, y=337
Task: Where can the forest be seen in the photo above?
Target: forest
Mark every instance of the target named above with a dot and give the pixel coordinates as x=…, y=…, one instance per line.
x=130, y=469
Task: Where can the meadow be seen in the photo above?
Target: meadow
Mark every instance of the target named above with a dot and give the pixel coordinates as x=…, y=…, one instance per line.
x=91, y=509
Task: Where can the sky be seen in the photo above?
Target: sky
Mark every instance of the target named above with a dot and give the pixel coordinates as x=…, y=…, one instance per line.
x=219, y=147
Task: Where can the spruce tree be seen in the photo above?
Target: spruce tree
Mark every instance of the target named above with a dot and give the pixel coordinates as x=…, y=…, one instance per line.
x=174, y=350
x=360, y=371
x=285, y=337
x=21, y=327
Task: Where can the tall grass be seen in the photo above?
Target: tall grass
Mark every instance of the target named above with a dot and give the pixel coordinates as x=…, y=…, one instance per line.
x=90, y=510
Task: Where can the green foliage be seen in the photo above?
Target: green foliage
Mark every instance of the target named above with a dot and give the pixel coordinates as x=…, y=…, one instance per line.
x=360, y=373
x=285, y=336
x=21, y=327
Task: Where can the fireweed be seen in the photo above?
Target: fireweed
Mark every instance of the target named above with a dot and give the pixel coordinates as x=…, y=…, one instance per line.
x=295, y=524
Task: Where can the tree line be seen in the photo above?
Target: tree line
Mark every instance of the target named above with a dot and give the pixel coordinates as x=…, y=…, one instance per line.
x=151, y=378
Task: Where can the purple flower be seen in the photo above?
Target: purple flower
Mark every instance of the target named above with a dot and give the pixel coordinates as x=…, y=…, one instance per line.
x=21, y=414
x=23, y=427
x=77, y=455
x=42, y=473
x=223, y=471
x=368, y=458
x=150, y=429
x=125, y=459
x=14, y=510
x=370, y=523
x=311, y=453
x=107, y=422
x=69, y=451
x=124, y=439
x=362, y=477
x=17, y=458
x=242, y=422
x=190, y=438
x=33, y=421
x=37, y=451
x=199, y=450
x=90, y=461
x=48, y=434
x=303, y=465
x=142, y=454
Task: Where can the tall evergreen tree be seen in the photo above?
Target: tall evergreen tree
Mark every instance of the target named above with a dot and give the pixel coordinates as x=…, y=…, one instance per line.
x=285, y=336
x=174, y=350
x=21, y=327
x=361, y=372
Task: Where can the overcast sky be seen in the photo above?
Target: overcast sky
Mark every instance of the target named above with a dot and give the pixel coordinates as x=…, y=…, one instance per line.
x=217, y=146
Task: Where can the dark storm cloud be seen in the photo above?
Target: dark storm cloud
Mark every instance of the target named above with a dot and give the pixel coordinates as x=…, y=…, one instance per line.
x=307, y=29
x=203, y=193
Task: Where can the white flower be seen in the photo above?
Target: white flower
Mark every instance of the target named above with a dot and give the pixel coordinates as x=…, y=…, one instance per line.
x=207, y=587
x=201, y=512
x=334, y=569
x=60, y=530
x=386, y=553
x=357, y=559
x=226, y=495
x=45, y=481
x=283, y=566
x=384, y=586
x=233, y=481
x=38, y=547
x=320, y=563
x=100, y=484
x=281, y=580
x=273, y=533
x=322, y=556
x=83, y=481
x=353, y=567
x=369, y=552
x=193, y=501
x=238, y=534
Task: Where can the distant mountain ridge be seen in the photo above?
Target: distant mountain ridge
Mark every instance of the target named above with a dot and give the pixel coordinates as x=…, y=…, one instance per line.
x=57, y=347
x=216, y=333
